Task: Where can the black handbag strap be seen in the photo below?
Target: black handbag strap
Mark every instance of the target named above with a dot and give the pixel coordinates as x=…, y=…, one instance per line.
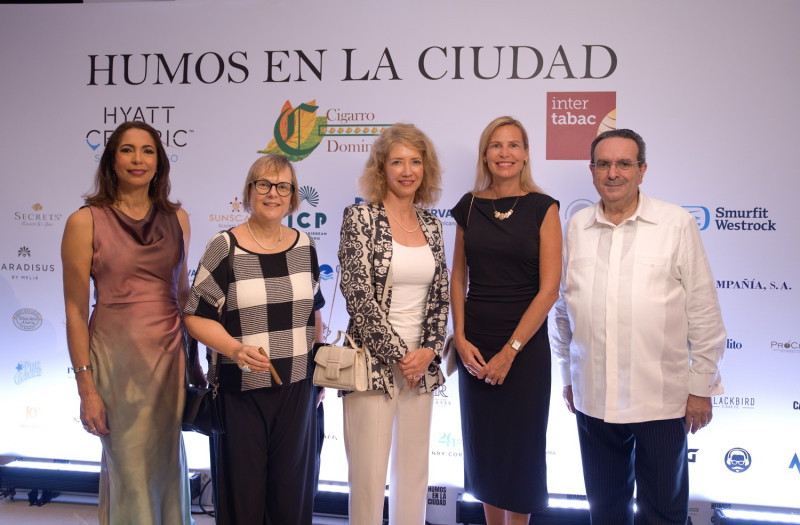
x=190, y=343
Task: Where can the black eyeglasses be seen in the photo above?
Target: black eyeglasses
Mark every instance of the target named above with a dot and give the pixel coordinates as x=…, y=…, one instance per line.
x=263, y=187
x=621, y=165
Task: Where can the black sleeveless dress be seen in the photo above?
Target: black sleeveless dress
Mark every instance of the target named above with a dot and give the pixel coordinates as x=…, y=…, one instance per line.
x=504, y=426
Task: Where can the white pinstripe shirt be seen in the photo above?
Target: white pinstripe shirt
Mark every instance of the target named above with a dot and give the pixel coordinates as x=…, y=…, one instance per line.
x=638, y=323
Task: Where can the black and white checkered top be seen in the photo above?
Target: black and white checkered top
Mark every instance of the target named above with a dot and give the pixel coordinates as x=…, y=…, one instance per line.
x=265, y=300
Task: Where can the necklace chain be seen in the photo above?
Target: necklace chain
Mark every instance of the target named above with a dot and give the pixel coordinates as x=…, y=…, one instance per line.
x=400, y=223
x=505, y=215
x=280, y=237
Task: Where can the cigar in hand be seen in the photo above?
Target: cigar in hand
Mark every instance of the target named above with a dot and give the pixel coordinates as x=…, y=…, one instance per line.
x=272, y=370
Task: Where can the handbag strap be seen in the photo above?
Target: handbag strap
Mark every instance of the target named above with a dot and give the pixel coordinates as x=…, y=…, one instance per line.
x=190, y=343
x=231, y=278
x=347, y=338
x=470, y=208
x=327, y=330
x=190, y=353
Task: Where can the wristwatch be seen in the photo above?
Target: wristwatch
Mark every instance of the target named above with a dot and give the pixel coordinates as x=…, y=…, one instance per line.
x=515, y=345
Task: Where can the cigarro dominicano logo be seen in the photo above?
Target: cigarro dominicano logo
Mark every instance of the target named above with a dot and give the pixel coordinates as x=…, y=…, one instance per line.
x=298, y=130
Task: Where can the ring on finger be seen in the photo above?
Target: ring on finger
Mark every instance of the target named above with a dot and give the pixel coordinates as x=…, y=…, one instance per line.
x=246, y=368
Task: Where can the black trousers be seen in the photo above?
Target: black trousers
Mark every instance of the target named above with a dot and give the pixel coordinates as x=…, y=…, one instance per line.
x=263, y=467
x=652, y=454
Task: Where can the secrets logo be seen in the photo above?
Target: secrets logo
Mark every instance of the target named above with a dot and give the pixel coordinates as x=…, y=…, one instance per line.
x=299, y=130
x=574, y=119
x=38, y=217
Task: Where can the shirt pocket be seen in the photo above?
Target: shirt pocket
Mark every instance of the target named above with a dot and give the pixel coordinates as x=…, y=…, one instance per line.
x=651, y=276
x=580, y=273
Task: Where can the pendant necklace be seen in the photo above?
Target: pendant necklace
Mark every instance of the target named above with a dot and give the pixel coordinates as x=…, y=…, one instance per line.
x=505, y=215
x=415, y=228
x=280, y=237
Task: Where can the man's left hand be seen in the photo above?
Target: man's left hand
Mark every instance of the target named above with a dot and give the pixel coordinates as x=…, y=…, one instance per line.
x=698, y=413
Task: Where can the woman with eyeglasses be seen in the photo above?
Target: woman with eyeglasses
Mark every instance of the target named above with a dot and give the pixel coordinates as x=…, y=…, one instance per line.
x=255, y=304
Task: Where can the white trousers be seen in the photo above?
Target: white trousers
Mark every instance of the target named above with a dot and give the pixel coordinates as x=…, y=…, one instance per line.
x=376, y=425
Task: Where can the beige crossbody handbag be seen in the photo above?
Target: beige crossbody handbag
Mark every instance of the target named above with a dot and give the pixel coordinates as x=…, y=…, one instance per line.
x=343, y=367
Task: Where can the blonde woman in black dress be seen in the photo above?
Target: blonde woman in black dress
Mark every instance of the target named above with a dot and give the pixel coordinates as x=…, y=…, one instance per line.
x=506, y=272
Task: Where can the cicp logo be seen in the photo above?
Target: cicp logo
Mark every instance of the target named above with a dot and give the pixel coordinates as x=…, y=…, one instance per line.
x=297, y=132
x=738, y=460
x=700, y=214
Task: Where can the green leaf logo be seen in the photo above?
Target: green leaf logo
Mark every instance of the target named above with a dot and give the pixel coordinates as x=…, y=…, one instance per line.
x=298, y=131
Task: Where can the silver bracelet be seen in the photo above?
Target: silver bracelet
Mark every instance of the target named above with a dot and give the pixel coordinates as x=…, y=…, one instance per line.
x=82, y=369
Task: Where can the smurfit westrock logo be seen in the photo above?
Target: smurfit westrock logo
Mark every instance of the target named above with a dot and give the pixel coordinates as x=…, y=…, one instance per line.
x=297, y=131
x=701, y=215
x=738, y=460
x=749, y=219
x=725, y=219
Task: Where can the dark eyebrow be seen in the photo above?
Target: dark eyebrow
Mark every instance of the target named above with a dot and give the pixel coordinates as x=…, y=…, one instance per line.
x=132, y=146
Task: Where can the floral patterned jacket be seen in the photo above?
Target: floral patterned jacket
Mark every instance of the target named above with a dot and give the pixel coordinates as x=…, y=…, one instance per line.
x=365, y=257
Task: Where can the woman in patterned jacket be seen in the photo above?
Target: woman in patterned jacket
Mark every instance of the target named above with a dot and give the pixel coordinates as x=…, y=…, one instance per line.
x=256, y=302
x=394, y=280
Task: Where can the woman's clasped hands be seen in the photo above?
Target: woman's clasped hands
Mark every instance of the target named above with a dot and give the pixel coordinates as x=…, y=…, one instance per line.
x=414, y=364
x=494, y=372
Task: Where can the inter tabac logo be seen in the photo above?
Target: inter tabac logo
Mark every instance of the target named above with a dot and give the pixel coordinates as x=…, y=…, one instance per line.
x=297, y=132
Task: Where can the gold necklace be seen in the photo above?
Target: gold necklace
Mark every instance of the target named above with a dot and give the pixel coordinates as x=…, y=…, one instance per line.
x=505, y=215
x=280, y=237
x=401, y=224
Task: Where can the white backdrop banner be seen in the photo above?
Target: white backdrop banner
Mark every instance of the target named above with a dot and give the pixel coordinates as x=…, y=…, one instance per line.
x=711, y=86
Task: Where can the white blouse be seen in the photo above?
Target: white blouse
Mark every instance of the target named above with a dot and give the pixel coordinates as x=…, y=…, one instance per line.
x=412, y=274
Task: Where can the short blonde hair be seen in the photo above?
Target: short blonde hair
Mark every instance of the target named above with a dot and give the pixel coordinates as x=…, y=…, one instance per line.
x=372, y=182
x=269, y=165
x=483, y=177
